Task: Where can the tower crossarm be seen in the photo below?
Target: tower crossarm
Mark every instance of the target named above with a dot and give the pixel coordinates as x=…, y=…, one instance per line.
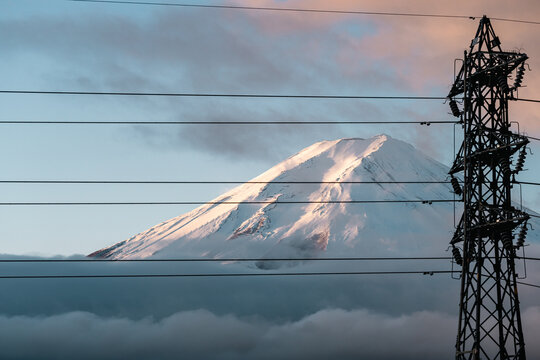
x=515, y=143
x=497, y=219
x=504, y=64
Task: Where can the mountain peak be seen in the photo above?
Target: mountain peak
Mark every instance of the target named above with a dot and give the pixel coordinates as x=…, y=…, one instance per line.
x=335, y=170
x=345, y=152
x=380, y=137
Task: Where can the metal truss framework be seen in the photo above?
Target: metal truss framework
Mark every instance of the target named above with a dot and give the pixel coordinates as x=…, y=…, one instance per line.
x=489, y=315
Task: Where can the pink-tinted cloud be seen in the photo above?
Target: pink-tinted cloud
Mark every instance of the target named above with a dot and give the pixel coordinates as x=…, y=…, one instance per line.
x=417, y=51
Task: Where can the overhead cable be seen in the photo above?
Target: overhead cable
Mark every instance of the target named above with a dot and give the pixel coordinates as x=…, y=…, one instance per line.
x=98, y=260
x=527, y=257
x=60, y=122
x=532, y=138
x=429, y=202
x=260, y=8
x=516, y=20
x=527, y=183
x=527, y=284
x=527, y=100
x=199, y=182
x=228, y=95
x=260, y=274
x=301, y=10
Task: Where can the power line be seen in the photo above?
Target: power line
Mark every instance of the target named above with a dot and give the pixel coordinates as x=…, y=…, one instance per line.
x=532, y=138
x=187, y=94
x=319, y=11
x=528, y=257
x=429, y=202
x=527, y=284
x=527, y=100
x=211, y=182
x=59, y=122
x=518, y=282
x=105, y=260
x=233, y=95
x=97, y=260
x=259, y=8
x=198, y=182
x=341, y=273
x=526, y=182
x=516, y=21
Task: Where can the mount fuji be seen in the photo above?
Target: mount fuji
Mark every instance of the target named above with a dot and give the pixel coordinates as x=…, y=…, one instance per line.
x=278, y=228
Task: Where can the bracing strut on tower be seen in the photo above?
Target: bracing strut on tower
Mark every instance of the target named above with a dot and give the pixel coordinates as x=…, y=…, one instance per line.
x=483, y=243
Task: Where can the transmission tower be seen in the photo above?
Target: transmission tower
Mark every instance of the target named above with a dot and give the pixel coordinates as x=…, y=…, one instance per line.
x=483, y=244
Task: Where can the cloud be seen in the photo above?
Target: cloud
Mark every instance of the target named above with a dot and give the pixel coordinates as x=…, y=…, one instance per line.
x=330, y=333
x=358, y=334
x=233, y=52
x=249, y=142
x=417, y=52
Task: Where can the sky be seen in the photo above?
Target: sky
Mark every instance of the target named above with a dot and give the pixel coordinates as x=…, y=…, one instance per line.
x=68, y=45
x=65, y=45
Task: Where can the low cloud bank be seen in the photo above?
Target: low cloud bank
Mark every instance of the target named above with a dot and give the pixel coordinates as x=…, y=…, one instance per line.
x=332, y=333
x=337, y=333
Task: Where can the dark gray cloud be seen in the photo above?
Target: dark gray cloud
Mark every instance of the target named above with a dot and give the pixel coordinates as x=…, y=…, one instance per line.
x=249, y=142
x=273, y=143
x=170, y=51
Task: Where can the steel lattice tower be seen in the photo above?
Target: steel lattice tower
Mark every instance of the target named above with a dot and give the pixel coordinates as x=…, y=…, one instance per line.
x=489, y=314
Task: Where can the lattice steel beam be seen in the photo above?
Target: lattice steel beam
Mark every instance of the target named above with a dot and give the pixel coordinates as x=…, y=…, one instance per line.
x=489, y=320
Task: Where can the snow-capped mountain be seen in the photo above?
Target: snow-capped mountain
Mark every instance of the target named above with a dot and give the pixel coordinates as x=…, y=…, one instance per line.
x=276, y=229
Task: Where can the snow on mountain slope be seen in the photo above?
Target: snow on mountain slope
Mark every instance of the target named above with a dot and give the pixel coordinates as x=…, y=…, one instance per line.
x=277, y=229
